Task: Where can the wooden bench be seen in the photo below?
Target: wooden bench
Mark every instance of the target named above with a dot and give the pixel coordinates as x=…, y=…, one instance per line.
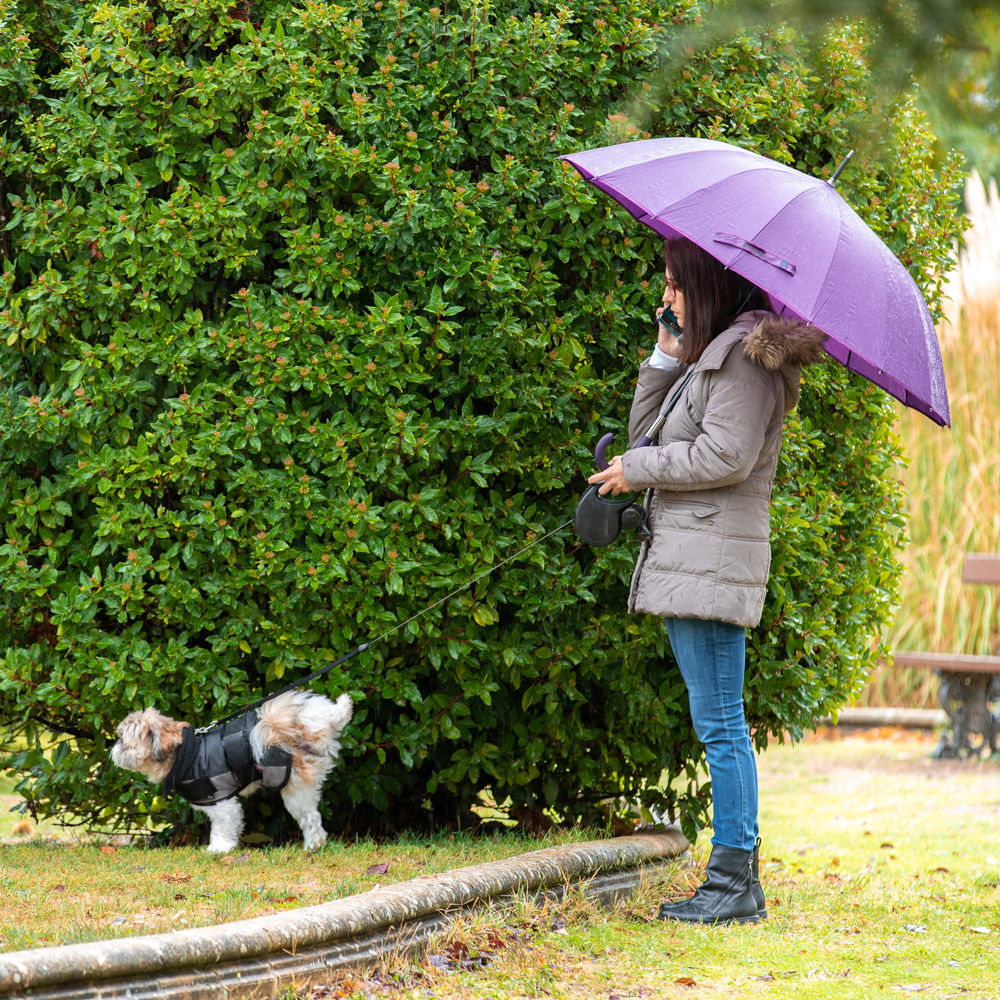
x=969, y=684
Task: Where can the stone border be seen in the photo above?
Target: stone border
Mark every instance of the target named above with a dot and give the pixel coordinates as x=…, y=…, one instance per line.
x=255, y=959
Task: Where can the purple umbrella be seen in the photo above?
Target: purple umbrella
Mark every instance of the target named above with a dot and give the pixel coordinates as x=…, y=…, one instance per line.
x=793, y=236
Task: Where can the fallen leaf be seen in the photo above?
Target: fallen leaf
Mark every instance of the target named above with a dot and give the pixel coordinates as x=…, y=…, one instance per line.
x=175, y=877
x=458, y=950
x=685, y=981
x=108, y=850
x=378, y=869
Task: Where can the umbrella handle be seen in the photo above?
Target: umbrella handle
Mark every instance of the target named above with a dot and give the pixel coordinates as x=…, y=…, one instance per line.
x=602, y=446
x=600, y=449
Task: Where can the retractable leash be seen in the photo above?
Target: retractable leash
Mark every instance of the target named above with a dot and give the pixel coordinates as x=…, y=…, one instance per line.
x=600, y=519
x=302, y=681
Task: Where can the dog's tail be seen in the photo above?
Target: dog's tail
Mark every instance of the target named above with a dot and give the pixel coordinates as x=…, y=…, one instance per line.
x=293, y=717
x=339, y=713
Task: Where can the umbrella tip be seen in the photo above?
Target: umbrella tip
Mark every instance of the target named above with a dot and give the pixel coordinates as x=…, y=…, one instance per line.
x=843, y=163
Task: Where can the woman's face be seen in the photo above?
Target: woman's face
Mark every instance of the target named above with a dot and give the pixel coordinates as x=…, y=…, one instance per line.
x=673, y=297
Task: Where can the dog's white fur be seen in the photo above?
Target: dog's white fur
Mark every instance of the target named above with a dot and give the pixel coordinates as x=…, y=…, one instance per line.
x=307, y=725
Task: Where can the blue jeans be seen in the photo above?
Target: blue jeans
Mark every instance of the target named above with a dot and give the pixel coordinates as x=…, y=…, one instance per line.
x=712, y=658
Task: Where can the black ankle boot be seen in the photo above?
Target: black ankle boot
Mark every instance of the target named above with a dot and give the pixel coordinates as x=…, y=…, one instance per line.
x=755, y=886
x=725, y=897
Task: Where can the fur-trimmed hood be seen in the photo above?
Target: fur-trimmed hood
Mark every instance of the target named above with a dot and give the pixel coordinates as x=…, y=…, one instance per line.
x=775, y=342
x=784, y=346
x=779, y=346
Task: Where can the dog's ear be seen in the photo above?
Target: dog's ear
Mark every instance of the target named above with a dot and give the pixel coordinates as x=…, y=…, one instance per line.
x=164, y=737
x=156, y=750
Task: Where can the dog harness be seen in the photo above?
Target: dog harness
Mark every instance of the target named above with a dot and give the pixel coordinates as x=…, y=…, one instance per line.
x=215, y=764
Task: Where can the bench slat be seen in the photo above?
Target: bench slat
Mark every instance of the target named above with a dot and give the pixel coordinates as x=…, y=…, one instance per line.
x=981, y=567
x=959, y=662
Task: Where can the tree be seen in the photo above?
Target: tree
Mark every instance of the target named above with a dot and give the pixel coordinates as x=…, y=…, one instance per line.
x=305, y=327
x=948, y=51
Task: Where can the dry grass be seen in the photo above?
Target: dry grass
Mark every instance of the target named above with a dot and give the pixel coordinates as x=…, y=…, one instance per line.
x=953, y=479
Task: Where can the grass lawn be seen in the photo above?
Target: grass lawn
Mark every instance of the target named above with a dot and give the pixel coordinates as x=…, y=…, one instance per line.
x=62, y=891
x=881, y=866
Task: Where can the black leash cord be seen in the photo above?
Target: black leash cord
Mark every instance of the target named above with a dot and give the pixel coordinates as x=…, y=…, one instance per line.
x=385, y=635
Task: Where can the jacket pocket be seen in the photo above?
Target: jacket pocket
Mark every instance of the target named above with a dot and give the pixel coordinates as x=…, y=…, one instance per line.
x=685, y=517
x=697, y=509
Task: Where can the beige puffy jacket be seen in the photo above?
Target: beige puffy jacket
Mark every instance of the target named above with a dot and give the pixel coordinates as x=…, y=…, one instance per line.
x=710, y=471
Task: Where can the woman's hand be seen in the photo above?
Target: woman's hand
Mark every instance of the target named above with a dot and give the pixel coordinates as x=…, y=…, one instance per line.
x=613, y=478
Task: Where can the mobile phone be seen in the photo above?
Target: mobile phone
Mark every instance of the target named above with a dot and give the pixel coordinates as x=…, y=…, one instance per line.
x=668, y=321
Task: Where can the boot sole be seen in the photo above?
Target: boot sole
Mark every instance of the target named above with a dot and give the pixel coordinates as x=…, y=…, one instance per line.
x=750, y=918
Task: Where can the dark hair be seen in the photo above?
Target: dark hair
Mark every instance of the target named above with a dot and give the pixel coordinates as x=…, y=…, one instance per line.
x=713, y=295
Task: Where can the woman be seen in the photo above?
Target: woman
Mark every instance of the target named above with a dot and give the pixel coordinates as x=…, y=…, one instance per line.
x=709, y=473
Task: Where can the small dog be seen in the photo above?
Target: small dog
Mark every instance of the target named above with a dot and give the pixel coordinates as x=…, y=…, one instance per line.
x=291, y=742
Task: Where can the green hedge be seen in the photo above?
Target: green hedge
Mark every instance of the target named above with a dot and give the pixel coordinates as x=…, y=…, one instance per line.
x=305, y=326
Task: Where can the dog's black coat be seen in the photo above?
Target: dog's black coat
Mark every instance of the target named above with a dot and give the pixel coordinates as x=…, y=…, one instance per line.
x=217, y=764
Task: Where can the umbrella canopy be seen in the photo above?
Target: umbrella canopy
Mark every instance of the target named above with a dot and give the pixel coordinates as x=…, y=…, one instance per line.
x=795, y=237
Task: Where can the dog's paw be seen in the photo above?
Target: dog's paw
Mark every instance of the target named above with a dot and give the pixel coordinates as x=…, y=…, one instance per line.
x=220, y=848
x=315, y=842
